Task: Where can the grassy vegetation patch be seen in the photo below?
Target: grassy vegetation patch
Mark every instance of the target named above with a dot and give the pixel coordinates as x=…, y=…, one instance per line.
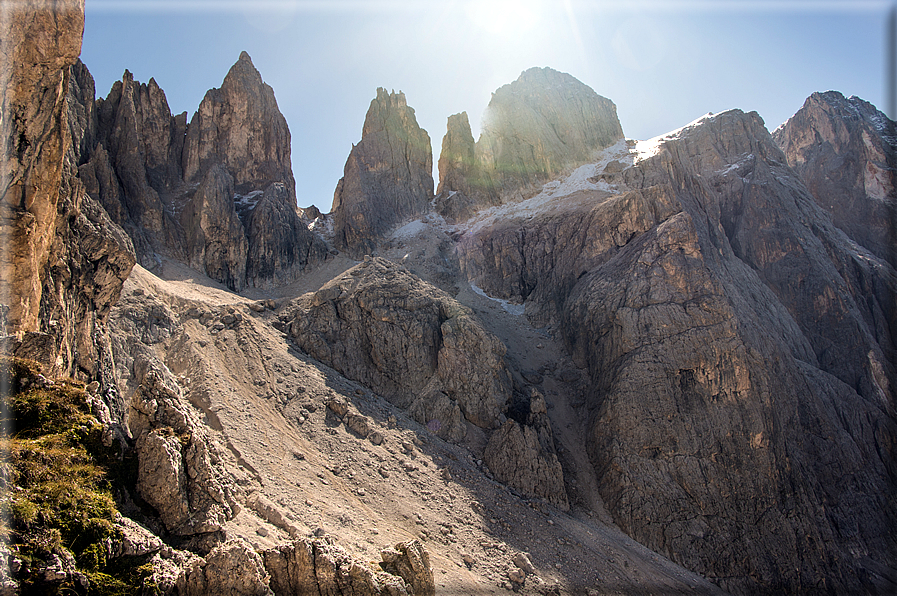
x=56, y=484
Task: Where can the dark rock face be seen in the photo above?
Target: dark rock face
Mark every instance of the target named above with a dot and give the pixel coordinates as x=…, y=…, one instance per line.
x=522, y=455
x=534, y=129
x=740, y=350
x=844, y=151
x=190, y=192
x=280, y=244
x=388, y=176
x=463, y=185
x=410, y=342
x=63, y=261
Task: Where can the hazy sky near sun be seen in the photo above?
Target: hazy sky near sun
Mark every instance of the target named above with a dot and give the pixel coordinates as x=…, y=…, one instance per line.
x=663, y=63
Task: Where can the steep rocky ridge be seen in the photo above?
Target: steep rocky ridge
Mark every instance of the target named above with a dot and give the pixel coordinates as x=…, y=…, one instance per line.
x=423, y=351
x=844, y=151
x=407, y=340
x=217, y=194
x=534, y=129
x=387, y=178
x=464, y=186
x=63, y=260
x=721, y=298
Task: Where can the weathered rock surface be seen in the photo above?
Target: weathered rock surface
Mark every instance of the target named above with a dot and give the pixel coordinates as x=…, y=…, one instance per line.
x=522, y=455
x=410, y=342
x=231, y=568
x=410, y=561
x=63, y=260
x=316, y=567
x=217, y=194
x=183, y=473
x=535, y=128
x=464, y=186
x=388, y=176
x=740, y=356
x=240, y=127
x=844, y=151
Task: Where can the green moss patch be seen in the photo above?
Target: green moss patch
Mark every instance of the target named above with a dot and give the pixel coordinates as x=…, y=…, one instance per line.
x=56, y=484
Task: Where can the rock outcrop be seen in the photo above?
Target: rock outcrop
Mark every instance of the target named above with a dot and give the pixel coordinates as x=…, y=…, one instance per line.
x=409, y=341
x=63, y=261
x=740, y=351
x=217, y=194
x=316, y=567
x=845, y=151
x=542, y=124
x=231, y=568
x=521, y=454
x=388, y=177
x=464, y=186
x=240, y=127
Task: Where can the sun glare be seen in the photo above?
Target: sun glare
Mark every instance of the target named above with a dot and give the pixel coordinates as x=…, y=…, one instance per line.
x=504, y=17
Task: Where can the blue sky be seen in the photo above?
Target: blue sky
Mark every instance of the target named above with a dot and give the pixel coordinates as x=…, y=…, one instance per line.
x=663, y=63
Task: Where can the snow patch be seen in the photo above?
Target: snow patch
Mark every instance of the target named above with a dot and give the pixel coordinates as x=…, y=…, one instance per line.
x=651, y=147
x=510, y=307
x=248, y=201
x=743, y=159
x=579, y=179
x=322, y=225
x=410, y=229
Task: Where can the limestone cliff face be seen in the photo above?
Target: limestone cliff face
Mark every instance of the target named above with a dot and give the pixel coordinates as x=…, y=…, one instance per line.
x=535, y=128
x=63, y=260
x=241, y=127
x=740, y=350
x=844, y=151
x=388, y=176
x=36, y=52
x=189, y=192
x=463, y=184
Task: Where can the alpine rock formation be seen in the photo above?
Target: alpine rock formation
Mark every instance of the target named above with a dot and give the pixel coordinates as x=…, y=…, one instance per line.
x=217, y=194
x=583, y=364
x=388, y=175
x=534, y=129
x=844, y=151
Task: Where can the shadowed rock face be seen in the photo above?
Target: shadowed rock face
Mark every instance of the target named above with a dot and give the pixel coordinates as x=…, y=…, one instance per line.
x=388, y=176
x=217, y=195
x=844, y=151
x=740, y=349
x=535, y=128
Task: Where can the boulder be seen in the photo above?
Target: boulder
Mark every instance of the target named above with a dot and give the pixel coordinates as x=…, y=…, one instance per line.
x=231, y=568
x=317, y=567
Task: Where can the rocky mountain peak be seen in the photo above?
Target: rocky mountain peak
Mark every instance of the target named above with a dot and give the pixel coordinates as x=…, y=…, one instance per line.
x=388, y=175
x=240, y=125
x=843, y=148
x=544, y=123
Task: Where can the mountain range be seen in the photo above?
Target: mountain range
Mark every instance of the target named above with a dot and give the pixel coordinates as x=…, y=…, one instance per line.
x=581, y=364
